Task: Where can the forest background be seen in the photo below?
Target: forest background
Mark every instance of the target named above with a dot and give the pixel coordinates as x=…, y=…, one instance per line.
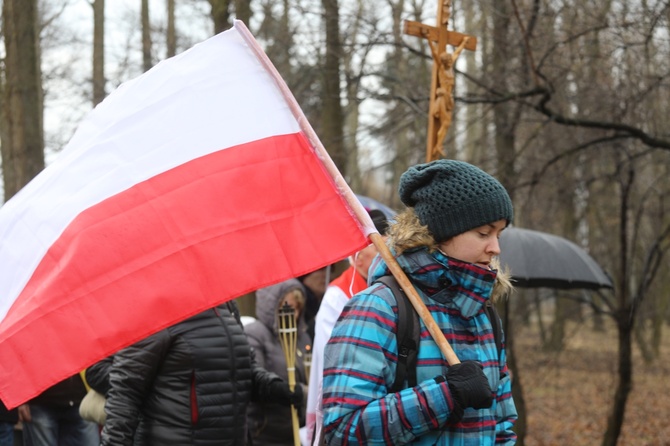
x=565, y=101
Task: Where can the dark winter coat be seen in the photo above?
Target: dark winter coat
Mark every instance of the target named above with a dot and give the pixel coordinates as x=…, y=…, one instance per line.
x=97, y=375
x=270, y=424
x=8, y=416
x=360, y=361
x=189, y=384
x=64, y=394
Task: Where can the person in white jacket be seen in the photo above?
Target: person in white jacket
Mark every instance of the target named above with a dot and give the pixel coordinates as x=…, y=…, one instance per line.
x=338, y=293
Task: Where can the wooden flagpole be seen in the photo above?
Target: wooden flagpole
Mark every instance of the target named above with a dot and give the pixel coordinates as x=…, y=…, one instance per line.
x=346, y=192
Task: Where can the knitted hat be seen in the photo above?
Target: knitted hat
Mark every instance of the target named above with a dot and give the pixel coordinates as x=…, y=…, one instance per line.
x=452, y=197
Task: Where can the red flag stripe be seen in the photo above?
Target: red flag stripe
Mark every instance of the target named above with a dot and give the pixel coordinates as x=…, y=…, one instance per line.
x=250, y=202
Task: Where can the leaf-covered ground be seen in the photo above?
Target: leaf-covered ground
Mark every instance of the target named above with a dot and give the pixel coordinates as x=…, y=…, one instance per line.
x=569, y=395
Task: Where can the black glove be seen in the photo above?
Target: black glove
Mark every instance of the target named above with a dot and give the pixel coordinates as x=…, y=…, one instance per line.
x=281, y=394
x=469, y=387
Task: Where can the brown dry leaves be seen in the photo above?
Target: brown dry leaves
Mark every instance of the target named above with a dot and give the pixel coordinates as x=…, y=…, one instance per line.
x=569, y=395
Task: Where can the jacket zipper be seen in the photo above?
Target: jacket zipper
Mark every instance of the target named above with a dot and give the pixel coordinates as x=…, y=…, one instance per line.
x=194, y=401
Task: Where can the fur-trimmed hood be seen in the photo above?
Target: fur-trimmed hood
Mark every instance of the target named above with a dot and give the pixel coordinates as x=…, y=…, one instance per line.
x=408, y=233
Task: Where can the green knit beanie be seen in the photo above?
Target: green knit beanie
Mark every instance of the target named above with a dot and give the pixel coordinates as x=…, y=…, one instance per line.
x=453, y=197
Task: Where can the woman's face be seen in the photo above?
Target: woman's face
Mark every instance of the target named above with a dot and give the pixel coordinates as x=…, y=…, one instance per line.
x=294, y=301
x=477, y=245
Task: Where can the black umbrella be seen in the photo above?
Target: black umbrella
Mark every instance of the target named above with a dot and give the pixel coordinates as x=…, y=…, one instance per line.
x=537, y=259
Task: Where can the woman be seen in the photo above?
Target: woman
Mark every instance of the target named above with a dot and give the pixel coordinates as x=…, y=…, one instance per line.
x=446, y=242
x=270, y=424
x=189, y=384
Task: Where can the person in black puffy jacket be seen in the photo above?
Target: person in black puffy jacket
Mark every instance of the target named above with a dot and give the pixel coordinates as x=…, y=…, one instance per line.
x=189, y=384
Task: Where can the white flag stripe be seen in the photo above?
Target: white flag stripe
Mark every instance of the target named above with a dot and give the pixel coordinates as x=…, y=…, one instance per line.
x=84, y=174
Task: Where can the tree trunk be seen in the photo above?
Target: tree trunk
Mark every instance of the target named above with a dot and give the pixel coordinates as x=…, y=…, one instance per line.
x=625, y=316
x=625, y=381
x=146, y=37
x=171, y=37
x=475, y=132
x=23, y=148
x=352, y=115
x=98, y=51
x=243, y=10
x=332, y=117
x=556, y=339
x=220, y=15
x=517, y=386
x=402, y=140
x=503, y=117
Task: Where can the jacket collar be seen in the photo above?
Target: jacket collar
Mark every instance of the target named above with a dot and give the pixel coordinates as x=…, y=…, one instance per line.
x=461, y=286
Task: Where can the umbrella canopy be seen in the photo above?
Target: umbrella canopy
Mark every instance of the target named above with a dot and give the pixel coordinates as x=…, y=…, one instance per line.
x=370, y=204
x=537, y=259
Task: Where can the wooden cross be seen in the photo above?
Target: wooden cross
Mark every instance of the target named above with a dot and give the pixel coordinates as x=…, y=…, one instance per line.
x=442, y=83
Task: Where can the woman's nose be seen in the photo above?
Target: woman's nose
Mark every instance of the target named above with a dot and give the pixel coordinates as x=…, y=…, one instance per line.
x=494, y=246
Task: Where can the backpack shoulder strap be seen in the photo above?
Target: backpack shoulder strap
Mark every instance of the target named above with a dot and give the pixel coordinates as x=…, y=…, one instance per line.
x=407, y=335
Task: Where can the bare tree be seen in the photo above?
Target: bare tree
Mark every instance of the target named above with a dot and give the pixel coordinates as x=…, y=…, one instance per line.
x=220, y=14
x=171, y=31
x=98, y=51
x=593, y=108
x=356, y=51
x=147, y=63
x=243, y=11
x=404, y=88
x=332, y=119
x=23, y=143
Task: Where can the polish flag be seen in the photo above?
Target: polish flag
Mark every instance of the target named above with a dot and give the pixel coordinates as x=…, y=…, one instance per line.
x=191, y=185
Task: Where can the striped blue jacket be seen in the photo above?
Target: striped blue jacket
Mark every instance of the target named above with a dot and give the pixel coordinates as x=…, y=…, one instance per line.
x=360, y=362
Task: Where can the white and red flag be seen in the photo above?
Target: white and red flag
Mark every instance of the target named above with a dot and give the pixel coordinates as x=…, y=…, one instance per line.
x=191, y=185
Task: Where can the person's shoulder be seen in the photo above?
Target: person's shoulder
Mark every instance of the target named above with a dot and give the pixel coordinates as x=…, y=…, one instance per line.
x=333, y=291
x=257, y=329
x=376, y=289
x=334, y=298
x=376, y=296
x=253, y=324
x=369, y=315
x=247, y=320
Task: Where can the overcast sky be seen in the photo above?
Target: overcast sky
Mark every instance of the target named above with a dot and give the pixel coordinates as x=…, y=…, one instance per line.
x=67, y=53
